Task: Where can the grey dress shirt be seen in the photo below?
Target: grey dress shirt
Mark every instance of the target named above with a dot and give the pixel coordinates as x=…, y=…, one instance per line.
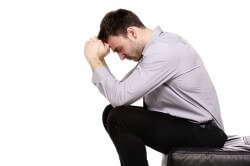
x=170, y=76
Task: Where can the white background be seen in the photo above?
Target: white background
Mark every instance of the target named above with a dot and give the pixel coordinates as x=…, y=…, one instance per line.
x=50, y=112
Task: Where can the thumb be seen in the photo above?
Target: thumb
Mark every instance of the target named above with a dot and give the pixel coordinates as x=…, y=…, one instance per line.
x=106, y=45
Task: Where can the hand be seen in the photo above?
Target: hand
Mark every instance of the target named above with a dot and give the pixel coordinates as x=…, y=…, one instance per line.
x=96, y=49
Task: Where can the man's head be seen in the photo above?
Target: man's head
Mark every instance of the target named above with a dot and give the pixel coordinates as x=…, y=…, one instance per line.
x=124, y=32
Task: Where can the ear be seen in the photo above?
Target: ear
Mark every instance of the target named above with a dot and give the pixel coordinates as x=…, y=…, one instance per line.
x=132, y=33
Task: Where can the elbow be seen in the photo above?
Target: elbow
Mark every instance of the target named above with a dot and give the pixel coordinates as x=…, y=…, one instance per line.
x=120, y=98
x=117, y=102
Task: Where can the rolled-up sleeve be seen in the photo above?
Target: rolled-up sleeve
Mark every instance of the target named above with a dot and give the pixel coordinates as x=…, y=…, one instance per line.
x=157, y=66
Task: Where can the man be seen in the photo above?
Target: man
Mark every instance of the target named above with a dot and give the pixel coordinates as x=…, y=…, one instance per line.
x=181, y=108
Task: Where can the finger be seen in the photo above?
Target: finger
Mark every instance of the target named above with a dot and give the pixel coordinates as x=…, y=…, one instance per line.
x=87, y=41
x=106, y=45
x=100, y=42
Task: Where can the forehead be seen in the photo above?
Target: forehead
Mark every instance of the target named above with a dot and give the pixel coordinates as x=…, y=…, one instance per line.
x=116, y=41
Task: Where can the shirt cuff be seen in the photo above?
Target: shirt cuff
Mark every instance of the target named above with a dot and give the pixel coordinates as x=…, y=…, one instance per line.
x=100, y=73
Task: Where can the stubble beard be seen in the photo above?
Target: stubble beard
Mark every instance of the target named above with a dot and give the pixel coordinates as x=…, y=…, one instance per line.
x=136, y=51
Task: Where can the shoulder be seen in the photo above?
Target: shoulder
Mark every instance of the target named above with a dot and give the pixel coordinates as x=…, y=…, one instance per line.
x=165, y=42
x=158, y=51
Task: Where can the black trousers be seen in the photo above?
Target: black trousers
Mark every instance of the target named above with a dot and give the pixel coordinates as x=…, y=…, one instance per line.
x=132, y=128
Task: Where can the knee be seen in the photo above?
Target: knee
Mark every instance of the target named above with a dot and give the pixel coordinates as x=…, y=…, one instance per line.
x=105, y=114
x=106, y=110
x=115, y=118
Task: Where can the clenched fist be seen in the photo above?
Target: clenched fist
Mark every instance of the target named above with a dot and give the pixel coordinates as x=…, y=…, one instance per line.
x=95, y=49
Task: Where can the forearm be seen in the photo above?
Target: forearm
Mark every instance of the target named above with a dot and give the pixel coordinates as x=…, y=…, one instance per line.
x=96, y=62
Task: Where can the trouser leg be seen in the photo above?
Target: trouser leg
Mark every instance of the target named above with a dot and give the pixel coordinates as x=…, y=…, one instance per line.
x=131, y=128
x=135, y=153
x=105, y=115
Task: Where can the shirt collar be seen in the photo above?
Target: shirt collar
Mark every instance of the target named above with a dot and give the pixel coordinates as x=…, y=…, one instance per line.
x=156, y=32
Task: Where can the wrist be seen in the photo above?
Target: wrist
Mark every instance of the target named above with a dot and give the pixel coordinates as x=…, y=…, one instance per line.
x=96, y=62
x=94, y=59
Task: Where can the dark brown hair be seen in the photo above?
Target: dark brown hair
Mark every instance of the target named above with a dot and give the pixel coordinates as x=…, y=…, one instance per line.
x=116, y=23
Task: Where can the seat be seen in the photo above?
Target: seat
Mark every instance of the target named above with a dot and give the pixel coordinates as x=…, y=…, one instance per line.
x=235, y=152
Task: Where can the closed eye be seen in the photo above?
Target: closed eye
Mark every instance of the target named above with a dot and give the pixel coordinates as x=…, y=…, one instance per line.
x=117, y=49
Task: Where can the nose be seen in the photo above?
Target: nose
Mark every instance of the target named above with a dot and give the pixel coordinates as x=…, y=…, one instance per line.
x=122, y=56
